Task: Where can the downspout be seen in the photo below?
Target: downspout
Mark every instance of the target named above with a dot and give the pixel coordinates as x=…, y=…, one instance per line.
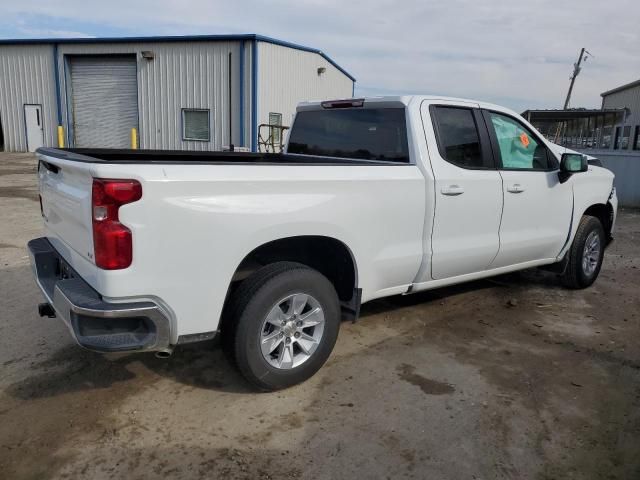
x=241, y=93
x=230, y=77
x=56, y=79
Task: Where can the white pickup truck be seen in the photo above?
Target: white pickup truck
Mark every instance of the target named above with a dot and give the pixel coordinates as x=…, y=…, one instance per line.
x=146, y=250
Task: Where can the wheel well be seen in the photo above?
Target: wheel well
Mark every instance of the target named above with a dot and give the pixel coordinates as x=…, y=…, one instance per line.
x=327, y=255
x=604, y=213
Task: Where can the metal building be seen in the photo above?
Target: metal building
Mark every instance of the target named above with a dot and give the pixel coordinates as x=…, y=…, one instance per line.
x=612, y=134
x=627, y=133
x=178, y=93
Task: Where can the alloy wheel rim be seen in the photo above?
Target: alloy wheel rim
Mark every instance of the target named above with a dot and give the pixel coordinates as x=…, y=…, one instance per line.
x=591, y=253
x=292, y=330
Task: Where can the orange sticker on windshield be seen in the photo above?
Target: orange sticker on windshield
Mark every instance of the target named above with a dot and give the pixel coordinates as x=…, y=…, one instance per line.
x=524, y=139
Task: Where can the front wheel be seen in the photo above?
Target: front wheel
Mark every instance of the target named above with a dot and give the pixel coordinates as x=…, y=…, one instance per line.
x=585, y=255
x=285, y=321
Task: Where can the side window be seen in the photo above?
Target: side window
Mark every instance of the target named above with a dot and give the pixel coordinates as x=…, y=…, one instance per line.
x=275, y=119
x=458, y=139
x=195, y=124
x=519, y=149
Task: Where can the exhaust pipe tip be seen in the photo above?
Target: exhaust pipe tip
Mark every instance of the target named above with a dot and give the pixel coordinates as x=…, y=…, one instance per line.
x=164, y=353
x=46, y=310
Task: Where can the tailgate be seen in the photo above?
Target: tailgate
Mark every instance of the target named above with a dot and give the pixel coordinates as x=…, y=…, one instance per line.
x=65, y=191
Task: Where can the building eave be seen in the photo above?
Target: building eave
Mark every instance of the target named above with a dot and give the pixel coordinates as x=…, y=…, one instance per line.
x=621, y=88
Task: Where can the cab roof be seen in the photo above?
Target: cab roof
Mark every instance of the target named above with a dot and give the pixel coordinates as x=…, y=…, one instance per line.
x=406, y=100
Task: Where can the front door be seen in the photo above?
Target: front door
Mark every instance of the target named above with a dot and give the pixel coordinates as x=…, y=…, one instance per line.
x=468, y=190
x=34, y=127
x=537, y=208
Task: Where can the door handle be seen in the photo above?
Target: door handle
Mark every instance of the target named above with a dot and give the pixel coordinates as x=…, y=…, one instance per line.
x=515, y=188
x=452, y=190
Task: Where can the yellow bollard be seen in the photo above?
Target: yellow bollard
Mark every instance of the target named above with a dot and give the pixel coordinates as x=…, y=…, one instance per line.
x=134, y=138
x=60, y=136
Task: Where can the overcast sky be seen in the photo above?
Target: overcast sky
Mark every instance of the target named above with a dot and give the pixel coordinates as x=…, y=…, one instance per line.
x=515, y=53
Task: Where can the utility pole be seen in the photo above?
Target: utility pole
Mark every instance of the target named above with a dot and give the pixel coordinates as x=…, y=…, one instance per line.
x=576, y=72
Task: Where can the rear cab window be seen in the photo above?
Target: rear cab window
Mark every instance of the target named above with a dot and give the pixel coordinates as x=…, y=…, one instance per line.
x=359, y=133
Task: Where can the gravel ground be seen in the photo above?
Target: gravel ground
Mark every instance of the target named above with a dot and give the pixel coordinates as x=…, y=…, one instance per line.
x=513, y=377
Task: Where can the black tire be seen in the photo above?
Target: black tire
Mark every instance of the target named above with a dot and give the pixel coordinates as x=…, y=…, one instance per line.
x=575, y=275
x=254, y=299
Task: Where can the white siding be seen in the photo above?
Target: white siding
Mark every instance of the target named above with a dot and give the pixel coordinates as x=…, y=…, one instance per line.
x=182, y=75
x=287, y=76
x=26, y=76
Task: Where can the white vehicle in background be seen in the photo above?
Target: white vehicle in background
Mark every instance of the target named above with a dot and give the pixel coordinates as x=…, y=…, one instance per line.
x=146, y=250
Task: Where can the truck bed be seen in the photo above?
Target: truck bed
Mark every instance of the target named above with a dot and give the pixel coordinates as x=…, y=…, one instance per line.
x=127, y=156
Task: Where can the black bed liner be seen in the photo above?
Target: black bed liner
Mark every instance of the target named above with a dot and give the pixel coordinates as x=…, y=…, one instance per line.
x=107, y=155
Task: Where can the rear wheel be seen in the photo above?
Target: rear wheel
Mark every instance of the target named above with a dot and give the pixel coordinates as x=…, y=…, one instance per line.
x=285, y=322
x=586, y=254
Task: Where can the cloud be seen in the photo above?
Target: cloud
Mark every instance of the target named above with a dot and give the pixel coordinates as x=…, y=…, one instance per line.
x=515, y=53
x=52, y=33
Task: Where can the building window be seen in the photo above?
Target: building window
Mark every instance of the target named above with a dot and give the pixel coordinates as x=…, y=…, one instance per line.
x=195, y=124
x=607, y=129
x=622, y=137
x=636, y=138
x=275, y=133
x=626, y=133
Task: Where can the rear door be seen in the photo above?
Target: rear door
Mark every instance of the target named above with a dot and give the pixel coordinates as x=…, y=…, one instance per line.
x=537, y=208
x=468, y=190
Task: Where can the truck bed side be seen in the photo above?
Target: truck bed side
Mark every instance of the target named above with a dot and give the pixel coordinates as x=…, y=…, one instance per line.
x=197, y=220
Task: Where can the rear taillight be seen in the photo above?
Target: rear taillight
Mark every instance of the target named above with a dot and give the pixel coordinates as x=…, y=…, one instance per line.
x=112, y=243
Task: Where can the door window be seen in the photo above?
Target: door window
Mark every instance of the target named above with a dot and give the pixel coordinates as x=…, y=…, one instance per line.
x=519, y=149
x=458, y=139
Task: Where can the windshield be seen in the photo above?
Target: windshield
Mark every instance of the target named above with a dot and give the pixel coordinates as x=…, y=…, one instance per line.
x=363, y=133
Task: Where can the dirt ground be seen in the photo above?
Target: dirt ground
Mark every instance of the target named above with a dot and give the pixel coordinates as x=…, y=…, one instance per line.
x=513, y=377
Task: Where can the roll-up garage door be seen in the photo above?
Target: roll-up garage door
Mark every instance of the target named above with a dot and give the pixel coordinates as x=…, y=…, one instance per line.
x=104, y=100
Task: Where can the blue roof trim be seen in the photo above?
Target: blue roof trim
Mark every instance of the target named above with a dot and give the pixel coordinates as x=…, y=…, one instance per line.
x=254, y=96
x=178, y=38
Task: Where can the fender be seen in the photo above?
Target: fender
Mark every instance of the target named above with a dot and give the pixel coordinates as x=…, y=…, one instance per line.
x=591, y=188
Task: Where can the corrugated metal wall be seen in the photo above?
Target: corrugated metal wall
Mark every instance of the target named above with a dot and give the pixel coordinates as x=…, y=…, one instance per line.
x=181, y=75
x=287, y=76
x=630, y=99
x=26, y=77
x=626, y=167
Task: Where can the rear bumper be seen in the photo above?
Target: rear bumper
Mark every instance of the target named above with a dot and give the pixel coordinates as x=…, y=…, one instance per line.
x=93, y=323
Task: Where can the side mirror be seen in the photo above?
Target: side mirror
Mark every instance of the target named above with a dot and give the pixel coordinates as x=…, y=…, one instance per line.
x=571, y=163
